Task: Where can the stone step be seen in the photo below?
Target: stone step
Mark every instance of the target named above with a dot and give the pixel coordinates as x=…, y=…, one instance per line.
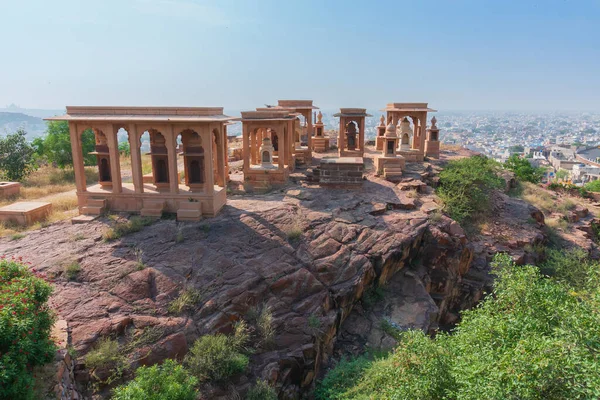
x=189, y=215
x=92, y=210
x=97, y=203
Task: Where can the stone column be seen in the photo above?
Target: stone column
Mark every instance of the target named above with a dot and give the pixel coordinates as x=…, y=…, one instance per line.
x=416, y=142
x=423, y=132
x=171, y=143
x=286, y=144
x=136, y=159
x=341, y=138
x=245, y=147
x=253, y=151
x=280, y=160
x=220, y=160
x=225, y=152
x=113, y=150
x=309, y=126
x=209, y=182
x=77, y=151
x=361, y=136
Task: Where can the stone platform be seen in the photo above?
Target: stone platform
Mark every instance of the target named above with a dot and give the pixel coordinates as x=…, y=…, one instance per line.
x=8, y=189
x=25, y=213
x=340, y=171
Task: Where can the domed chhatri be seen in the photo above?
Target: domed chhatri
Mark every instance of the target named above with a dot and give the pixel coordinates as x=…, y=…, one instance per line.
x=351, y=134
x=320, y=141
x=380, y=133
x=388, y=163
x=390, y=131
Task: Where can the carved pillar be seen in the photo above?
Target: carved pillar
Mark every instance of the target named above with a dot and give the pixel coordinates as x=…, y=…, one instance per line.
x=361, y=135
x=209, y=183
x=246, y=147
x=225, y=152
x=309, y=125
x=281, y=130
x=341, y=140
x=136, y=159
x=77, y=151
x=113, y=150
x=423, y=132
x=171, y=144
x=220, y=159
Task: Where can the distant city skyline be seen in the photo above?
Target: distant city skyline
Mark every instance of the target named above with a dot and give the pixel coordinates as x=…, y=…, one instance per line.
x=457, y=56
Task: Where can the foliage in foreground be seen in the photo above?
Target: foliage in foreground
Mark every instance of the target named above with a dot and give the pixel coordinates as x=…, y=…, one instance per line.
x=17, y=159
x=523, y=169
x=25, y=323
x=535, y=338
x=465, y=186
x=167, y=381
x=122, y=228
x=593, y=186
x=218, y=357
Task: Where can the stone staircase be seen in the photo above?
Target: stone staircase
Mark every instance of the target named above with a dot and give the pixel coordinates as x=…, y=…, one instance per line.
x=94, y=207
x=189, y=211
x=152, y=208
x=392, y=173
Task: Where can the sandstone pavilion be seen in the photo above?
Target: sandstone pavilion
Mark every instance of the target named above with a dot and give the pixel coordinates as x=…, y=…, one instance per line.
x=195, y=135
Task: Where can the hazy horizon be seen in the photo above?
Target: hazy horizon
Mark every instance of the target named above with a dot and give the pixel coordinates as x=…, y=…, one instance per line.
x=462, y=56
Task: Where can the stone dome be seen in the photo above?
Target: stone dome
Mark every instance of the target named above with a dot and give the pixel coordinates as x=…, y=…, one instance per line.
x=390, y=131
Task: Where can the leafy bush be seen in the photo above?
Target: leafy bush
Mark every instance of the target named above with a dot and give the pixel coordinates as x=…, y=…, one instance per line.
x=167, y=381
x=465, y=186
x=72, y=270
x=262, y=391
x=534, y=338
x=217, y=357
x=106, y=356
x=593, y=186
x=343, y=376
x=17, y=159
x=25, y=323
x=523, y=169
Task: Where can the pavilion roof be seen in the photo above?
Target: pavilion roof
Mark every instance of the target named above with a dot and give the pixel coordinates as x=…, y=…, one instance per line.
x=407, y=107
x=266, y=114
x=296, y=104
x=352, y=112
x=143, y=114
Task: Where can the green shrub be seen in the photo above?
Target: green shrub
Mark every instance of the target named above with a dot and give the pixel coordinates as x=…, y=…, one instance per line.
x=17, y=159
x=465, y=186
x=217, y=357
x=186, y=301
x=572, y=267
x=341, y=378
x=523, y=169
x=25, y=323
x=534, y=338
x=262, y=391
x=265, y=326
x=593, y=186
x=169, y=381
x=72, y=270
x=122, y=228
x=106, y=355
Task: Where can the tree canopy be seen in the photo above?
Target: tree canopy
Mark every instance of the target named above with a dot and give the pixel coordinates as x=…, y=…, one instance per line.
x=523, y=169
x=56, y=145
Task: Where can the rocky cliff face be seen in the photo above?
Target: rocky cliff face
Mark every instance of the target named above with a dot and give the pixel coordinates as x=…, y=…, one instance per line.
x=313, y=256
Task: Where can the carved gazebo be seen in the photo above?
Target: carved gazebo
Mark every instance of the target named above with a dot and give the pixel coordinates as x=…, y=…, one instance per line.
x=200, y=130
x=417, y=112
x=351, y=134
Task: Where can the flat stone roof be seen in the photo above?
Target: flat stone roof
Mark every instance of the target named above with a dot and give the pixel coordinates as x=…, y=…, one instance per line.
x=268, y=114
x=405, y=107
x=299, y=104
x=24, y=207
x=142, y=114
x=352, y=112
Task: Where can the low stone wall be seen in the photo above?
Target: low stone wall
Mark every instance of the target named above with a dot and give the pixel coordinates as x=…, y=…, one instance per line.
x=340, y=171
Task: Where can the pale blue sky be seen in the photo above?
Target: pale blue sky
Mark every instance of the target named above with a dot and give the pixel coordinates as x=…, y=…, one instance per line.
x=455, y=54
